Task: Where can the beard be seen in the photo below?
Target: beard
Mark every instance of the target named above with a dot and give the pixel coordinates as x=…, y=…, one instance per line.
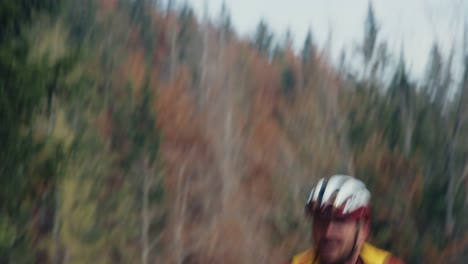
x=333, y=251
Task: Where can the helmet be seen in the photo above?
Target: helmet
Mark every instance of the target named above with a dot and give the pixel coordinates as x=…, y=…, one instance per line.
x=340, y=197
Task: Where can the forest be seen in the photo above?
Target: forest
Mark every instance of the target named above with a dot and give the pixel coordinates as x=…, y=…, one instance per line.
x=135, y=131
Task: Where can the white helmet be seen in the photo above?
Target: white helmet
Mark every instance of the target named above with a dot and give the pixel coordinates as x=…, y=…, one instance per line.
x=341, y=196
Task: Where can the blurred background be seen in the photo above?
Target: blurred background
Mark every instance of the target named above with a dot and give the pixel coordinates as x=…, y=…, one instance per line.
x=173, y=131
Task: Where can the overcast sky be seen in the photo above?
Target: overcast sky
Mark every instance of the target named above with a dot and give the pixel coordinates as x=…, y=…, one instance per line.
x=413, y=24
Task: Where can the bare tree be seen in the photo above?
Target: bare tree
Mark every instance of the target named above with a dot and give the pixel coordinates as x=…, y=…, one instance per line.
x=460, y=120
x=181, y=203
x=149, y=213
x=204, y=60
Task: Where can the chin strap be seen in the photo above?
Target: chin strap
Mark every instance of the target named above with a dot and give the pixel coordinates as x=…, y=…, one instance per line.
x=351, y=253
x=315, y=258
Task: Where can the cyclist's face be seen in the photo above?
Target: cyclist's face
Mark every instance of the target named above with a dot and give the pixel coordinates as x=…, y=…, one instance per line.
x=334, y=239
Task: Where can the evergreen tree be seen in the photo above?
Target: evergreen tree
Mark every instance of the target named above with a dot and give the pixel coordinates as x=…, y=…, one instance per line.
x=24, y=87
x=263, y=38
x=371, y=31
x=308, y=51
x=225, y=21
x=433, y=82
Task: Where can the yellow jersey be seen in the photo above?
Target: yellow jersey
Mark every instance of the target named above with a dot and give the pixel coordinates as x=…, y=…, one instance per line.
x=369, y=255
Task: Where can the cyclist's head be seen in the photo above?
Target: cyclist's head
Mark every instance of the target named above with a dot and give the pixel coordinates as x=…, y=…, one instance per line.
x=340, y=209
x=339, y=197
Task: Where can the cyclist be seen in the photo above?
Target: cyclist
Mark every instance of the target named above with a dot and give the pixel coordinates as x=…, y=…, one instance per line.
x=339, y=208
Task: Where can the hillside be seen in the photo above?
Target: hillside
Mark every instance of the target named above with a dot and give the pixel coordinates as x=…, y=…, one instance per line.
x=150, y=135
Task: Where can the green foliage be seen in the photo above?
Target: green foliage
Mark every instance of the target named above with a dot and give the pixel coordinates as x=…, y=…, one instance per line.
x=45, y=101
x=143, y=133
x=225, y=22
x=80, y=17
x=15, y=14
x=433, y=82
x=370, y=34
x=136, y=140
x=93, y=218
x=263, y=38
x=400, y=88
x=140, y=15
x=377, y=124
x=79, y=145
x=308, y=49
x=187, y=34
x=26, y=161
x=189, y=42
x=288, y=82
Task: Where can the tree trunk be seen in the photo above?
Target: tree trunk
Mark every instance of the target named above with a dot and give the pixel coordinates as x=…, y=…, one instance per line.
x=408, y=134
x=58, y=252
x=173, y=30
x=450, y=196
x=182, y=189
x=450, y=163
x=204, y=62
x=228, y=181
x=145, y=215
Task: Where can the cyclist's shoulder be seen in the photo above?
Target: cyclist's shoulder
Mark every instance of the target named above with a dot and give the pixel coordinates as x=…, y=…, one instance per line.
x=302, y=258
x=373, y=254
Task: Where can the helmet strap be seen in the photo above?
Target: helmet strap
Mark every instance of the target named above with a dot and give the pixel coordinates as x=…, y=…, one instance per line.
x=351, y=253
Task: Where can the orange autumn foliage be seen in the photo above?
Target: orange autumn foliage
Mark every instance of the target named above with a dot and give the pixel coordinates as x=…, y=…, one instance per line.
x=108, y=6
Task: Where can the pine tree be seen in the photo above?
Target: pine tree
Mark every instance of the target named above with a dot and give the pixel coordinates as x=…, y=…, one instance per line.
x=24, y=87
x=401, y=94
x=308, y=51
x=263, y=38
x=371, y=31
x=225, y=22
x=433, y=82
